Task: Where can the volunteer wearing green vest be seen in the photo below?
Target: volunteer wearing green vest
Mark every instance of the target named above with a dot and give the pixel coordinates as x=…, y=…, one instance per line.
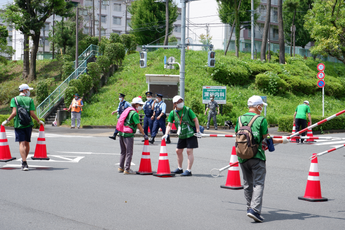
x=300, y=118
x=23, y=132
x=186, y=120
x=127, y=139
x=254, y=169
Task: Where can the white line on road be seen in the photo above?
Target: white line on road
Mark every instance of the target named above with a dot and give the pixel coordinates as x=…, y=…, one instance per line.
x=89, y=153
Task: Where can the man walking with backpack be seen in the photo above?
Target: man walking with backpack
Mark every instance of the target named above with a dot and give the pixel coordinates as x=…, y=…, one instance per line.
x=252, y=127
x=127, y=126
x=22, y=121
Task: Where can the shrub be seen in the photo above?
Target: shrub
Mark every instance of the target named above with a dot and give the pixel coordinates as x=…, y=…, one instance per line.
x=196, y=105
x=94, y=72
x=127, y=41
x=271, y=83
x=104, y=63
x=42, y=89
x=86, y=81
x=78, y=85
x=227, y=108
x=115, y=52
x=115, y=38
x=69, y=94
x=67, y=67
x=231, y=74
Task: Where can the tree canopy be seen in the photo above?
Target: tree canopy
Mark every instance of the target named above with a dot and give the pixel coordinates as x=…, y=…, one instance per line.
x=148, y=20
x=326, y=25
x=4, y=49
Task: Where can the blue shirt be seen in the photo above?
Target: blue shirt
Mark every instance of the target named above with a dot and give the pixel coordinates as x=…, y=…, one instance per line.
x=148, y=108
x=126, y=105
x=162, y=106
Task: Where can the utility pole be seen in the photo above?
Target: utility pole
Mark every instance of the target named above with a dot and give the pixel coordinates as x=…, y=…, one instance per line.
x=125, y=17
x=93, y=16
x=43, y=39
x=76, y=39
x=99, y=21
x=294, y=39
x=166, y=22
x=252, y=30
x=183, y=51
x=53, y=36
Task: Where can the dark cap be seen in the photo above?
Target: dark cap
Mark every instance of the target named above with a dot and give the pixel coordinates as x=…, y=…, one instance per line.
x=121, y=95
x=160, y=95
x=76, y=94
x=148, y=93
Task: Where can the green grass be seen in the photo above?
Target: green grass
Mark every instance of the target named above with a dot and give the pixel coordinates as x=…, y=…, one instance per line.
x=130, y=80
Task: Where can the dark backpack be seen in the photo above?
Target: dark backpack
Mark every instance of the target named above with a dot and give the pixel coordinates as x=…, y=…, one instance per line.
x=24, y=117
x=245, y=144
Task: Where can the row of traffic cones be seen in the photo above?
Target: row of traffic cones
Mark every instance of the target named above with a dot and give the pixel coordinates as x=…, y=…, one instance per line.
x=309, y=134
x=313, y=189
x=40, y=151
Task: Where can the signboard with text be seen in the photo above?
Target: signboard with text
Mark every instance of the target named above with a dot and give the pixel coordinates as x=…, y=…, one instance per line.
x=219, y=93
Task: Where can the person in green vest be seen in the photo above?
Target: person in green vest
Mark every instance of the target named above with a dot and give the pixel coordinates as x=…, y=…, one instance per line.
x=188, y=124
x=300, y=118
x=254, y=169
x=23, y=131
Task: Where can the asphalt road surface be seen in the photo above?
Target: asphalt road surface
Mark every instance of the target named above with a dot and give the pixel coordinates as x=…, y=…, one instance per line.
x=80, y=188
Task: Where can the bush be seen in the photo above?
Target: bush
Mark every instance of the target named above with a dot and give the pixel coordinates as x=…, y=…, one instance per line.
x=227, y=108
x=104, y=63
x=285, y=123
x=231, y=74
x=115, y=38
x=67, y=68
x=78, y=85
x=69, y=94
x=196, y=105
x=271, y=83
x=86, y=81
x=115, y=52
x=42, y=89
x=94, y=72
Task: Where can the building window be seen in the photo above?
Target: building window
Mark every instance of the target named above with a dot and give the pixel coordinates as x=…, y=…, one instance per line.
x=103, y=32
x=262, y=12
x=129, y=22
x=274, y=15
x=177, y=28
x=46, y=42
x=104, y=7
x=116, y=21
x=103, y=19
x=86, y=30
x=117, y=7
x=88, y=3
x=275, y=33
x=179, y=16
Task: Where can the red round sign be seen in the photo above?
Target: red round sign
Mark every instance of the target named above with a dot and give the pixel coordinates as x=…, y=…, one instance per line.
x=321, y=67
x=320, y=75
x=321, y=83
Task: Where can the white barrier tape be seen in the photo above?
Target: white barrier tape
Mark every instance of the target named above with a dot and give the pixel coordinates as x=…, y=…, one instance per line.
x=313, y=178
x=164, y=158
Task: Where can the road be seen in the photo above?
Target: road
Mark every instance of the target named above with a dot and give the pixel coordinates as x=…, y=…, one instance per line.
x=80, y=188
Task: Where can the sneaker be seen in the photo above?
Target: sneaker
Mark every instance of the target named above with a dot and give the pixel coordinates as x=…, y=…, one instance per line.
x=72, y=127
x=25, y=167
x=129, y=172
x=215, y=128
x=208, y=128
x=254, y=215
x=120, y=170
x=112, y=137
x=177, y=171
x=186, y=173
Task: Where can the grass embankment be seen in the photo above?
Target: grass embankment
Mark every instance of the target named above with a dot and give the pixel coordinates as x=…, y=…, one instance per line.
x=130, y=80
x=11, y=78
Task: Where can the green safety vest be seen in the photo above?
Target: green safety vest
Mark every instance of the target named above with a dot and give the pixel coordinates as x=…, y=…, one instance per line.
x=187, y=124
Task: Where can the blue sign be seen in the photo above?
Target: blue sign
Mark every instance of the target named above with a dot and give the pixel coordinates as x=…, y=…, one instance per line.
x=321, y=83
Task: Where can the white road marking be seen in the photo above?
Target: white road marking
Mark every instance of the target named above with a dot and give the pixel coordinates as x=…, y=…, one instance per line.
x=89, y=153
x=19, y=166
x=119, y=163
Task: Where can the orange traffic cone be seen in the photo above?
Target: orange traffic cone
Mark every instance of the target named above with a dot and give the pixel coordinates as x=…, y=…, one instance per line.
x=310, y=134
x=313, y=189
x=145, y=163
x=233, y=181
x=41, y=149
x=293, y=132
x=163, y=163
x=5, y=153
x=173, y=128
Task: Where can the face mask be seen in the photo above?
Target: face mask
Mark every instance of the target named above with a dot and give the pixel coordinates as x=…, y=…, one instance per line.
x=156, y=99
x=27, y=93
x=180, y=105
x=149, y=98
x=139, y=108
x=260, y=110
x=120, y=98
x=76, y=98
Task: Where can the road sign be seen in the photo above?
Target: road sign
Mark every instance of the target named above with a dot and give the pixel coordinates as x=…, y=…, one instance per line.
x=321, y=83
x=219, y=93
x=321, y=67
x=171, y=60
x=320, y=75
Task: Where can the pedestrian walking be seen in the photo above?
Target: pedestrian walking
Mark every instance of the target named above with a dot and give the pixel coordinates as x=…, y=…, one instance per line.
x=188, y=124
x=127, y=126
x=148, y=122
x=211, y=106
x=76, y=107
x=22, y=121
x=300, y=118
x=121, y=107
x=158, y=117
x=254, y=168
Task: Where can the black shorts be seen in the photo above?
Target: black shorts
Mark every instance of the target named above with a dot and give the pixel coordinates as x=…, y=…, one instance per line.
x=189, y=143
x=23, y=134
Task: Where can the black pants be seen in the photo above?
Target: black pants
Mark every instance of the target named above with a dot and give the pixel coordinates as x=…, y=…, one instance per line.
x=300, y=124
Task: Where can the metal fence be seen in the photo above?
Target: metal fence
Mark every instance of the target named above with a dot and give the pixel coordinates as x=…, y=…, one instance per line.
x=43, y=108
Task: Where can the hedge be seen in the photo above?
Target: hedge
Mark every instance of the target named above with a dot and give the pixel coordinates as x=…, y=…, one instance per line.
x=11, y=123
x=285, y=123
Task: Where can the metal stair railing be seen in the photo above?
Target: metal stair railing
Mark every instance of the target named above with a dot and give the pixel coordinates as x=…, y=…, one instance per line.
x=46, y=105
x=86, y=54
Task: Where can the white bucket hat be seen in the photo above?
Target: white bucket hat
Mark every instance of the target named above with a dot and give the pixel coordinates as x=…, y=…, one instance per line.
x=24, y=86
x=177, y=98
x=256, y=100
x=137, y=100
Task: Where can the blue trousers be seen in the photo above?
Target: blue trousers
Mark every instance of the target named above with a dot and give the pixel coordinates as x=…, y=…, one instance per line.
x=148, y=123
x=156, y=125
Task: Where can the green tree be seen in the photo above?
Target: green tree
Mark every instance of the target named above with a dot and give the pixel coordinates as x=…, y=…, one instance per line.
x=29, y=17
x=205, y=40
x=231, y=11
x=295, y=15
x=4, y=49
x=64, y=35
x=326, y=25
x=148, y=20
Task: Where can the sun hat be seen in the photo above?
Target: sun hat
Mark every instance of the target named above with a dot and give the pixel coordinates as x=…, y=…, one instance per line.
x=24, y=86
x=177, y=98
x=256, y=100
x=137, y=100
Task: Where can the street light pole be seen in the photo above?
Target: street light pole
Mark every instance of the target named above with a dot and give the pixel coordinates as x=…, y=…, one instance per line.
x=183, y=51
x=76, y=39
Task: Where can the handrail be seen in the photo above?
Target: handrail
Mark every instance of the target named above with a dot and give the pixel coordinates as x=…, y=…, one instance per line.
x=44, y=107
x=86, y=52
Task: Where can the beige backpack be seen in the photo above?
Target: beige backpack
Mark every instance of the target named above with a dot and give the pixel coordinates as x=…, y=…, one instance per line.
x=245, y=144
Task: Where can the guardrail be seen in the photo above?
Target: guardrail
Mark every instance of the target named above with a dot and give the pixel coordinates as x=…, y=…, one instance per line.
x=46, y=105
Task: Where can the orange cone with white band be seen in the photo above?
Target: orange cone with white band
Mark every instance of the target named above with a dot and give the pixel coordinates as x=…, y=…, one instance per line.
x=145, y=162
x=310, y=134
x=313, y=189
x=163, y=163
x=233, y=181
x=41, y=148
x=5, y=153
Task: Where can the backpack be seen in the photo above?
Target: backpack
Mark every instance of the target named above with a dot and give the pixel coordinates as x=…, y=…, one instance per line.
x=24, y=117
x=120, y=126
x=246, y=147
